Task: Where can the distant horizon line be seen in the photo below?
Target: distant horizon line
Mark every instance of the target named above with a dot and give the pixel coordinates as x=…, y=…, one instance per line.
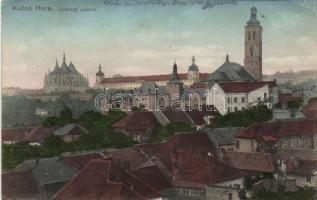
x=286, y=71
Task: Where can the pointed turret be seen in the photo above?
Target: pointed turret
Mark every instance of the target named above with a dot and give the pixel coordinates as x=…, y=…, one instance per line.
x=174, y=74
x=227, y=58
x=99, y=75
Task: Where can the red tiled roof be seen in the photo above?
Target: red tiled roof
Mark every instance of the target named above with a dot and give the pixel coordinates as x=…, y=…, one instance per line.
x=310, y=110
x=126, y=158
x=266, y=138
x=100, y=179
x=305, y=167
x=199, y=85
x=137, y=121
x=38, y=134
x=202, y=168
x=262, y=162
x=180, y=142
x=175, y=116
x=80, y=161
x=198, y=116
x=29, y=134
x=162, y=77
x=242, y=86
x=279, y=129
x=152, y=176
x=14, y=134
x=19, y=185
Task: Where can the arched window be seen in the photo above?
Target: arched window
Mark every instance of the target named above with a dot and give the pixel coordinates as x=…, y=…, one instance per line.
x=251, y=51
x=249, y=35
x=253, y=33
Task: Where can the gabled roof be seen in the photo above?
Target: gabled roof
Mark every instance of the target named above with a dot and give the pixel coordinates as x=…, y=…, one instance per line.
x=180, y=142
x=305, y=167
x=29, y=134
x=14, y=134
x=260, y=162
x=100, y=179
x=127, y=158
x=137, y=121
x=279, y=129
x=19, y=185
x=310, y=110
x=176, y=116
x=49, y=170
x=79, y=161
x=197, y=116
x=230, y=71
x=69, y=129
x=152, y=176
x=202, y=168
x=223, y=136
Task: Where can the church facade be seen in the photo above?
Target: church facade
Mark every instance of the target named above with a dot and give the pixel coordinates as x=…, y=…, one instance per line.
x=65, y=78
x=229, y=71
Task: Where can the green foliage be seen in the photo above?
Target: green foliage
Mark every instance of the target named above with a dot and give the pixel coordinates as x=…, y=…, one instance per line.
x=65, y=117
x=294, y=104
x=100, y=135
x=243, y=118
x=14, y=154
x=163, y=133
x=305, y=193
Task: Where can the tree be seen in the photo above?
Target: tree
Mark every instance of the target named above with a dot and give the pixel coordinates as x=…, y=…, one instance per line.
x=294, y=104
x=260, y=113
x=301, y=194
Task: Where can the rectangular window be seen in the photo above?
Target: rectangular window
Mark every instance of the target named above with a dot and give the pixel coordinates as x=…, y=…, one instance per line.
x=253, y=35
x=229, y=196
x=235, y=99
x=308, y=179
x=249, y=35
x=242, y=99
x=235, y=109
x=243, y=108
x=228, y=100
x=237, y=144
x=265, y=95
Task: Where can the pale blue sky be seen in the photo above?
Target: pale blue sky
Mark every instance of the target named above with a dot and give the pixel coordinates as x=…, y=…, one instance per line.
x=144, y=40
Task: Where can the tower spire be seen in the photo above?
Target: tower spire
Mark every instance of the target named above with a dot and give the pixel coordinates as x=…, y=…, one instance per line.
x=193, y=60
x=253, y=12
x=227, y=58
x=174, y=75
x=64, y=58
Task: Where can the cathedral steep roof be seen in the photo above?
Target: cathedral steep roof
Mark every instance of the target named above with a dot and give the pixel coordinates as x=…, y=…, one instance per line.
x=230, y=71
x=72, y=68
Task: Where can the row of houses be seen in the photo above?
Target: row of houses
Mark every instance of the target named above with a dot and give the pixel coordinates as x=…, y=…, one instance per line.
x=36, y=135
x=141, y=125
x=187, y=166
x=194, y=165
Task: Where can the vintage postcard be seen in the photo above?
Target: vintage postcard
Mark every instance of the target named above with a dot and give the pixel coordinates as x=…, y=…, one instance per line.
x=159, y=99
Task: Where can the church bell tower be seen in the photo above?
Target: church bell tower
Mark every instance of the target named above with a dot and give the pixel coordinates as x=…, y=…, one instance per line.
x=253, y=46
